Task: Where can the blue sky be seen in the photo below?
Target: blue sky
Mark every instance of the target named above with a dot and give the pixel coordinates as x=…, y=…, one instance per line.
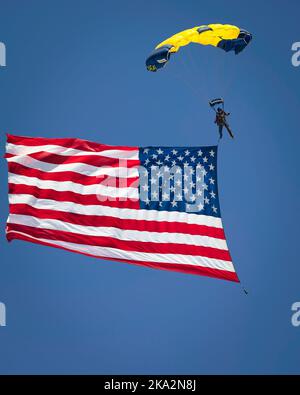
x=76, y=69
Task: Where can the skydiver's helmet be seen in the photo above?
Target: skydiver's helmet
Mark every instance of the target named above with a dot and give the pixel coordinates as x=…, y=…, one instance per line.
x=219, y=110
x=158, y=58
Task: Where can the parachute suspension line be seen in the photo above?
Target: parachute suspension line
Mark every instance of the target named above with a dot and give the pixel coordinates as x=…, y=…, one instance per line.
x=195, y=67
x=183, y=77
x=192, y=68
x=184, y=74
x=183, y=80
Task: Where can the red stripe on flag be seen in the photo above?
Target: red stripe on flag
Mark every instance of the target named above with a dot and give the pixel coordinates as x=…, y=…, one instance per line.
x=72, y=197
x=93, y=160
x=78, y=144
x=73, y=176
x=137, y=246
x=184, y=268
x=129, y=224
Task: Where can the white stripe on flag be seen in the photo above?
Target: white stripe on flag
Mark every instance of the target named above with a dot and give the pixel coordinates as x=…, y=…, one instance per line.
x=21, y=150
x=63, y=186
x=117, y=233
x=123, y=213
x=108, y=252
x=81, y=168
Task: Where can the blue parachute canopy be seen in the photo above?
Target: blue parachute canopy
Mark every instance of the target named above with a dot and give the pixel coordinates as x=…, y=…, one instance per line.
x=158, y=58
x=238, y=44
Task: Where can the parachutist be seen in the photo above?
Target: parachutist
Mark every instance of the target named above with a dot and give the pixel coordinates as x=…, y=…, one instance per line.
x=221, y=121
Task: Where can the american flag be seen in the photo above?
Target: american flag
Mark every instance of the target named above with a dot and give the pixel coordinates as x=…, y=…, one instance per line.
x=151, y=206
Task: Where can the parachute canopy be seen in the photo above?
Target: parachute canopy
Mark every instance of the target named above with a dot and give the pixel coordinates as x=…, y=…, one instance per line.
x=226, y=37
x=215, y=102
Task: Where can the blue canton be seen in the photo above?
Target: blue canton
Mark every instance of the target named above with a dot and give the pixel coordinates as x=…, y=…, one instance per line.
x=180, y=179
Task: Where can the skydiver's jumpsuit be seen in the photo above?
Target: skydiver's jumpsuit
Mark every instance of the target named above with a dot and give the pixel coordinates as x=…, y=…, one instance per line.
x=221, y=122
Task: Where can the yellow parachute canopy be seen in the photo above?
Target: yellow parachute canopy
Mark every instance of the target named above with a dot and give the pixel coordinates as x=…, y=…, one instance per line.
x=226, y=37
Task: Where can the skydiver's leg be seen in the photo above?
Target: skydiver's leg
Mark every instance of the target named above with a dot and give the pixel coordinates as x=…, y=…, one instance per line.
x=221, y=131
x=229, y=130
